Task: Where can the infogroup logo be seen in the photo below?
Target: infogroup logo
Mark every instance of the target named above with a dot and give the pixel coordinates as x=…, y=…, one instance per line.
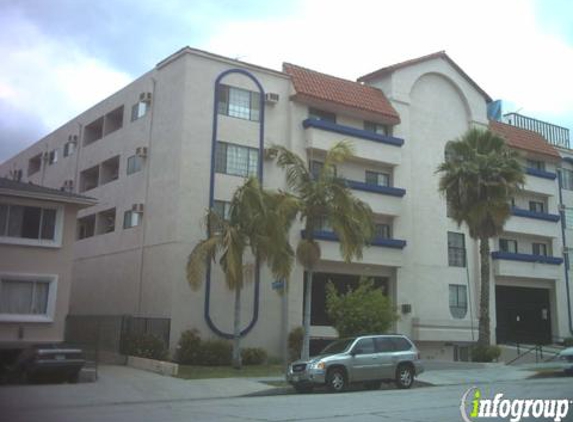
x=474, y=407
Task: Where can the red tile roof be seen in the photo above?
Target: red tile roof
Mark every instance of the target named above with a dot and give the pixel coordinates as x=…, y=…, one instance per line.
x=439, y=55
x=524, y=139
x=313, y=85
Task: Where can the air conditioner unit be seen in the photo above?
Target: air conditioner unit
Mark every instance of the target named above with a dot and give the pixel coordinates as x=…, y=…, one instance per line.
x=145, y=96
x=271, y=98
x=141, y=151
x=73, y=138
x=69, y=183
x=46, y=156
x=137, y=208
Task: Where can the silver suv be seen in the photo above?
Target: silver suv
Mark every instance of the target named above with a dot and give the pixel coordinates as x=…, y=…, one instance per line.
x=367, y=359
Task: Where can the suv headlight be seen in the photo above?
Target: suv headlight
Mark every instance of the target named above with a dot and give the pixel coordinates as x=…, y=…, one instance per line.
x=318, y=365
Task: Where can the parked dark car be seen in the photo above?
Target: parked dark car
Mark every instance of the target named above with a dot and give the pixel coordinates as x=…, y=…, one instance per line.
x=46, y=362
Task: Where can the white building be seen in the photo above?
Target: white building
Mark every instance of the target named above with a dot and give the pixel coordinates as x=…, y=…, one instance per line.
x=181, y=138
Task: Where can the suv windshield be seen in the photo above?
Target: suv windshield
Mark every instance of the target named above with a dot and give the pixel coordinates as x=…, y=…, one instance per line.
x=337, y=347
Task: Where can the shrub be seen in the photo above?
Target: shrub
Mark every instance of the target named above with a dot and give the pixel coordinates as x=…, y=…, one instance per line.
x=253, y=356
x=215, y=352
x=189, y=348
x=485, y=353
x=295, y=343
x=145, y=346
x=359, y=311
x=568, y=342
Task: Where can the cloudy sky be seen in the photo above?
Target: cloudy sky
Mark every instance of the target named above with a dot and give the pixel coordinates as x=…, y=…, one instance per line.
x=59, y=57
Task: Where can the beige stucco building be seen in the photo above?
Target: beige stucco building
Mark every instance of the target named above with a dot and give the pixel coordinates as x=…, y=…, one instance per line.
x=182, y=137
x=37, y=235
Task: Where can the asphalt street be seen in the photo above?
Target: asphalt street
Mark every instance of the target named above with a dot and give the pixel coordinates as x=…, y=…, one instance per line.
x=437, y=403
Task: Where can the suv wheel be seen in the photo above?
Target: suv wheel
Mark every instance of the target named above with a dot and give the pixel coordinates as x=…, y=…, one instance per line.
x=404, y=376
x=336, y=380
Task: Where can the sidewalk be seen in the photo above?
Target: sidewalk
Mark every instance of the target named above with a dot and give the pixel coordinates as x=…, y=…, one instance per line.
x=122, y=384
x=451, y=373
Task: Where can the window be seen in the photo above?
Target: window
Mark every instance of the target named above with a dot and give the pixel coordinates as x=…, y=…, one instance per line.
x=113, y=121
x=567, y=179
x=89, y=179
x=34, y=164
x=131, y=219
x=536, y=206
x=27, y=297
x=376, y=128
x=86, y=227
x=539, y=249
x=377, y=178
x=105, y=222
x=384, y=344
x=236, y=160
x=536, y=164
x=240, y=103
x=456, y=250
x=569, y=257
x=140, y=109
x=316, y=168
x=458, y=300
x=569, y=217
x=327, y=116
x=401, y=344
x=508, y=245
x=53, y=157
x=24, y=222
x=382, y=231
x=69, y=148
x=222, y=208
x=134, y=164
x=109, y=170
x=364, y=347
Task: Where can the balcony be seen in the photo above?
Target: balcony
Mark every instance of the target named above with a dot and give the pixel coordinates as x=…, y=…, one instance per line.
x=322, y=135
x=383, y=200
x=520, y=212
x=533, y=223
x=540, y=173
x=391, y=256
x=507, y=264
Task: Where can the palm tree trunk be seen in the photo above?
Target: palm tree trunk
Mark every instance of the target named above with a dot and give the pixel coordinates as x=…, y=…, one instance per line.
x=237, y=329
x=484, y=332
x=306, y=316
x=284, y=327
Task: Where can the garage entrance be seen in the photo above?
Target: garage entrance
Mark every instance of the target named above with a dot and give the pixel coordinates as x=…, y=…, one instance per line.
x=523, y=315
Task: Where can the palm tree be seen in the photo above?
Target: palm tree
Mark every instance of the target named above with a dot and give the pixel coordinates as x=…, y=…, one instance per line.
x=479, y=177
x=324, y=199
x=258, y=221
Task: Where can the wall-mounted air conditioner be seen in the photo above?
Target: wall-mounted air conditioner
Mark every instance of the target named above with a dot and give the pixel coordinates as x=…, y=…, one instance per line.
x=141, y=152
x=145, y=96
x=137, y=208
x=271, y=98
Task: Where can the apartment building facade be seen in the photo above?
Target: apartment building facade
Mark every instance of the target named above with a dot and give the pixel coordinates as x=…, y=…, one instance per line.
x=37, y=234
x=181, y=138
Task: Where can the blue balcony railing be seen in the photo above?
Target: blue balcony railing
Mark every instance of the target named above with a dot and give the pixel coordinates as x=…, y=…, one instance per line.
x=520, y=212
x=368, y=187
x=377, y=241
x=351, y=131
x=523, y=257
x=540, y=173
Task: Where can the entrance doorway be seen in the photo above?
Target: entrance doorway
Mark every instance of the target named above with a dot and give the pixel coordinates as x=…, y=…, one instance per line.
x=523, y=315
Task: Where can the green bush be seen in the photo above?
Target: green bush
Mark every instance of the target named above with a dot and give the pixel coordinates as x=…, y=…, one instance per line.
x=189, y=348
x=485, y=353
x=360, y=311
x=215, y=352
x=253, y=356
x=568, y=342
x=145, y=346
x=295, y=343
